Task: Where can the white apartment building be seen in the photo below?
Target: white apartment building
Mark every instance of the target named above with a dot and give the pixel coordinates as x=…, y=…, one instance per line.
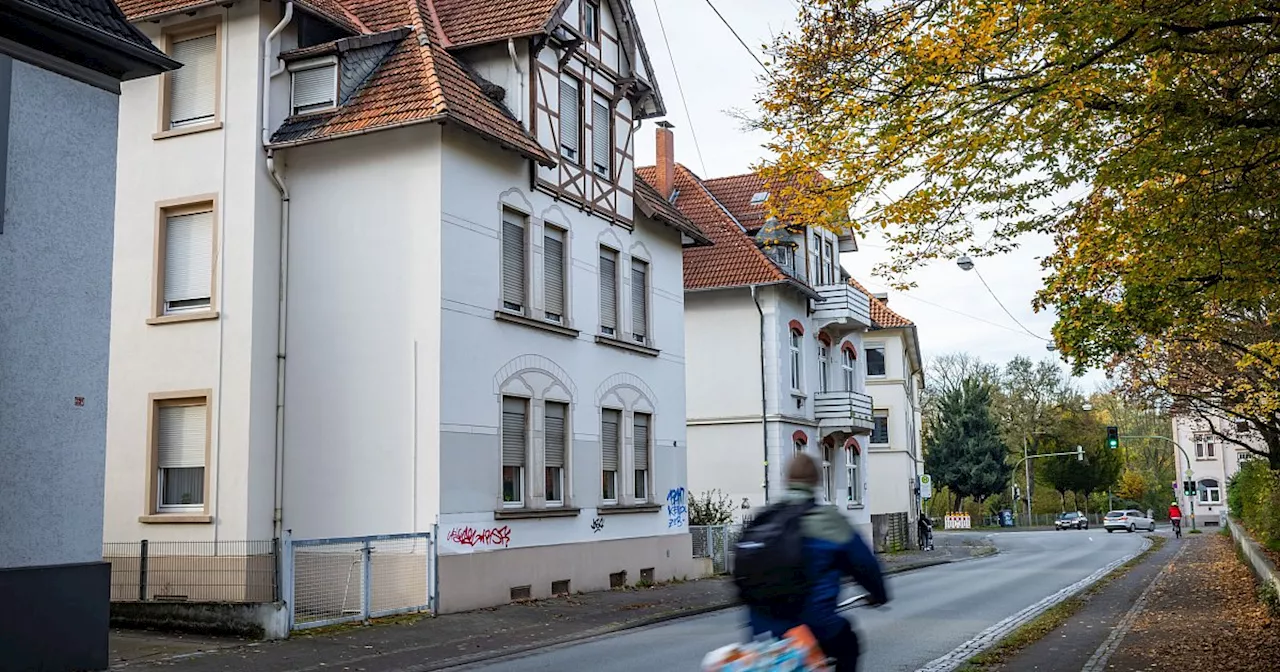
x=1213, y=461
x=774, y=335
x=385, y=266
x=895, y=379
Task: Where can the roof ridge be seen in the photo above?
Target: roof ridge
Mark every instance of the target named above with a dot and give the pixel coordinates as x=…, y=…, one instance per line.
x=351, y=16
x=739, y=231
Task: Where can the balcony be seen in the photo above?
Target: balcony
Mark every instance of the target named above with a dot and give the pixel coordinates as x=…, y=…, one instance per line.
x=843, y=307
x=846, y=411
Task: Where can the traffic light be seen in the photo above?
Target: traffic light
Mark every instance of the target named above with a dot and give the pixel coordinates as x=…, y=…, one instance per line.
x=1189, y=488
x=1113, y=437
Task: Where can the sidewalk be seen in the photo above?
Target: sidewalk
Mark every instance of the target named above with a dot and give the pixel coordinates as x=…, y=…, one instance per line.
x=434, y=643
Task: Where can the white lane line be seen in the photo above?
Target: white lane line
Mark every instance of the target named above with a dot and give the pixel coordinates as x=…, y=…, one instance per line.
x=989, y=637
x=1112, y=643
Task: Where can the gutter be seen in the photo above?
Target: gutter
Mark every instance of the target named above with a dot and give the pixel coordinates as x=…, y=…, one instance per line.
x=764, y=405
x=796, y=285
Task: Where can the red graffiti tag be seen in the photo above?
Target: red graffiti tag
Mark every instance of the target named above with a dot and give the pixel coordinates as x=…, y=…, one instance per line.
x=469, y=536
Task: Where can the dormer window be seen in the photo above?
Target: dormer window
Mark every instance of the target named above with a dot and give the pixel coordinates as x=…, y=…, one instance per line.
x=759, y=197
x=315, y=85
x=591, y=21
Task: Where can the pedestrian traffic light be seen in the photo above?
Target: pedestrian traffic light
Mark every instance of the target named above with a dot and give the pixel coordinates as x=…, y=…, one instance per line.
x=1113, y=437
x=1189, y=488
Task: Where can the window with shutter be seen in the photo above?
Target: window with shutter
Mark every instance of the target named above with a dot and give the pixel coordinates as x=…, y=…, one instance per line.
x=188, y=262
x=639, y=300
x=554, y=449
x=315, y=86
x=570, y=117
x=608, y=291
x=193, y=87
x=601, y=137
x=640, y=454
x=610, y=423
x=515, y=411
x=513, y=261
x=180, y=454
x=554, y=273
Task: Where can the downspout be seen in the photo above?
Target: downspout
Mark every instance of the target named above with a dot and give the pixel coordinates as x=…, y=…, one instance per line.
x=277, y=517
x=515, y=61
x=764, y=406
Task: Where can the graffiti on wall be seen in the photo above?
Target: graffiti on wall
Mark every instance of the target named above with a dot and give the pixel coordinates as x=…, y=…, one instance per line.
x=677, y=509
x=470, y=537
x=597, y=525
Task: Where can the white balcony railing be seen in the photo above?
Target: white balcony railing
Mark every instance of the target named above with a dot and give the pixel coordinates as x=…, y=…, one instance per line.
x=842, y=409
x=843, y=304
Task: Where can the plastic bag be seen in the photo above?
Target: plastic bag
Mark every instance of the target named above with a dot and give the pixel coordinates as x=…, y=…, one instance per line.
x=796, y=651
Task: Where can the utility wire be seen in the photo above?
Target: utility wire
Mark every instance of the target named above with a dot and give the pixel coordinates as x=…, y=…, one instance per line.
x=684, y=100
x=1006, y=310
x=950, y=310
x=740, y=40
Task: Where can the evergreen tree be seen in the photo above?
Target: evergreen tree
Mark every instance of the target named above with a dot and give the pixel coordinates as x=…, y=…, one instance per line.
x=965, y=450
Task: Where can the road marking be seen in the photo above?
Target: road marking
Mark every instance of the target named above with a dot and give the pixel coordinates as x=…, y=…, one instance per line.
x=1112, y=643
x=989, y=637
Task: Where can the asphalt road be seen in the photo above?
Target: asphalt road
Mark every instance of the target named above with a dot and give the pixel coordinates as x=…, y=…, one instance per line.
x=932, y=611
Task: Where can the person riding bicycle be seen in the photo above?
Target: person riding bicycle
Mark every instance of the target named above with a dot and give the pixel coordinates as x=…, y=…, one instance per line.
x=831, y=551
x=1175, y=515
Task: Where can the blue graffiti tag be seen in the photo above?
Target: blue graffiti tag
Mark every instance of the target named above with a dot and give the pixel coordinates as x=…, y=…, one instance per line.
x=676, y=507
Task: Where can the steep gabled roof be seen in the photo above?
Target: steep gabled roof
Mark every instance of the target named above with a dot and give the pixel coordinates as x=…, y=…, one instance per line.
x=469, y=22
x=732, y=260
x=654, y=206
x=736, y=192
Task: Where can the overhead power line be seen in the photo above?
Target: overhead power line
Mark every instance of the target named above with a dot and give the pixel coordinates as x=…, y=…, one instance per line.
x=735, y=34
x=684, y=100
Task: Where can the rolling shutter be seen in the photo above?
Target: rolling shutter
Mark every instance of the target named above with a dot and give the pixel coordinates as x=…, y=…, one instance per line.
x=513, y=261
x=513, y=431
x=181, y=436
x=188, y=261
x=641, y=441
x=608, y=291
x=601, y=137
x=570, y=124
x=553, y=268
x=639, y=299
x=315, y=88
x=193, y=87
x=610, y=420
x=555, y=434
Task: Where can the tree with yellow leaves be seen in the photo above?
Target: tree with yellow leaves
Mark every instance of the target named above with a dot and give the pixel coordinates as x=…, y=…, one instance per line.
x=1144, y=137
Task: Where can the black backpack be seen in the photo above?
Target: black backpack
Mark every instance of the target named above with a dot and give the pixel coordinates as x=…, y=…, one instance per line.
x=768, y=567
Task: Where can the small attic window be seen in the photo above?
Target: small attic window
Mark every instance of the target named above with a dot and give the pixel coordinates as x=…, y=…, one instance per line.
x=759, y=197
x=315, y=85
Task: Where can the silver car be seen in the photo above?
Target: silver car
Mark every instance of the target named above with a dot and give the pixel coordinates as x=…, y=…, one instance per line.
x=1128, y=519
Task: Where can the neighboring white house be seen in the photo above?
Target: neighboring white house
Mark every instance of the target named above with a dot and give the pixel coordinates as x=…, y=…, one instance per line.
x=483, y=321
x=774, y=334
x=895, y=378
x=1214, y=460
x=61, y=67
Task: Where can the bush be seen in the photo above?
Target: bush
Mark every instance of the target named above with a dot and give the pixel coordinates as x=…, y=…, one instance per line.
x=1253, y=496
x=712, y=508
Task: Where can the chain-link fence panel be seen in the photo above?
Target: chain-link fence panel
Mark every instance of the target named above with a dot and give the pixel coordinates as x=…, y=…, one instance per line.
x=359, y=578
x=193, y=571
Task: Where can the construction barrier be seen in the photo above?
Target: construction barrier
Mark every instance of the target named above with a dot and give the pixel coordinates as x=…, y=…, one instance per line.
x=957, y=521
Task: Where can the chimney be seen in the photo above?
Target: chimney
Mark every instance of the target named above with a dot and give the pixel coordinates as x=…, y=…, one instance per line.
x=666, y=160
x=883, y=297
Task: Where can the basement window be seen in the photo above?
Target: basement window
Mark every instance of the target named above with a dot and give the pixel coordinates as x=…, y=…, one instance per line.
x=315, y=85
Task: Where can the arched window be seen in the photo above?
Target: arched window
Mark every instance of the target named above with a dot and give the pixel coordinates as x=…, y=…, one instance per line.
x=848, y=360
x=536, y=465
x=824, y=366
x=1209, y=490
x=795, y=359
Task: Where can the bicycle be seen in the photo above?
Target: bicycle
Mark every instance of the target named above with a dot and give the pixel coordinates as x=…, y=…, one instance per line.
x=1177, y=528
x=795, y=650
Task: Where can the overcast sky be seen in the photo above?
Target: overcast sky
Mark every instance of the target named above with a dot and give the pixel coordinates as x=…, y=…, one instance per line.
x=951, y=308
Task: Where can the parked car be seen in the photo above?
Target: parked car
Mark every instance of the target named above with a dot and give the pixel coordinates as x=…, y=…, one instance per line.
x=1128, y=519
x=1071, y=520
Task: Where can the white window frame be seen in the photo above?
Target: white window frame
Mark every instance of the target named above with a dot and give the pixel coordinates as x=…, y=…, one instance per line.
x=549, y=232
x=616, y=257
x=313, y=64
x=590, y=26
x=799, y=446
x=572, y=154
x=565, y=448
x=853, y=483
x=159, y=506
x=522, y=220
x=833, y=262
x=618, y=449
x=166, y=213
x=794, y=345
x=866, y=355
x=192, y=31
x=1209, y=494
x=828, y=474
x=848, y=365
x=647, y=467
x=824, y=367
x=520, y=487
x=646, y=312
x=598, y=101
x=877, y=414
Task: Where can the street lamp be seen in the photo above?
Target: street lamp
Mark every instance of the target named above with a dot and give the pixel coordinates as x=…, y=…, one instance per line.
x=966, y=264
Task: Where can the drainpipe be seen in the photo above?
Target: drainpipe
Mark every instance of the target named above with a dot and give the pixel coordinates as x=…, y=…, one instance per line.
x=277, y=517
x=764, y=406
x=515, y=61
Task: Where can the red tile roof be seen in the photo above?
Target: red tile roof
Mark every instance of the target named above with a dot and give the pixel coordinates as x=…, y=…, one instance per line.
x=735, y=193
x=733, y=259
x=469, y=22
x=653, y=205
x=880, y=312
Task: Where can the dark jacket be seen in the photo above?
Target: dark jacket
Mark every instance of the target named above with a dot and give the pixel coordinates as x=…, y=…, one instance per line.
x=832, y=551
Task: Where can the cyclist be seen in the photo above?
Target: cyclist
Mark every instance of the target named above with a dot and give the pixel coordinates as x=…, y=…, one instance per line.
x=1175, y=517
x=831, y=550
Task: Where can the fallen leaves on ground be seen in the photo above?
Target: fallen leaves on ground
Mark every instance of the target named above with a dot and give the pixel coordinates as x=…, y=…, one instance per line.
x=1203, y=614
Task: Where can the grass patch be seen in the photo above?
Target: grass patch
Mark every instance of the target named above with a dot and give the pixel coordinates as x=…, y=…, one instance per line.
x=1051, y=619
x=1195, y=532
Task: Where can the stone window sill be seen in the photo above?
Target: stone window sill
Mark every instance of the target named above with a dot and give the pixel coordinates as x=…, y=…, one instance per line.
x=175, y=518
x=521, y=514
x=614, y=509
x=187, y=130
x=504, y=316
x=184, y=317
x=623, y=345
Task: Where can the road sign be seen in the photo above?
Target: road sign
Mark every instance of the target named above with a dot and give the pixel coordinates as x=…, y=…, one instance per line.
x=926, y=487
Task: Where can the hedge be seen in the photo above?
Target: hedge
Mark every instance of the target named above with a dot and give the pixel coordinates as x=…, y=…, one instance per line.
x=1253, y=495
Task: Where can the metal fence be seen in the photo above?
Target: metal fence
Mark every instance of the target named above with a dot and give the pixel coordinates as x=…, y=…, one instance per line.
x=331, y=581
x=715, y=542
x=193, y=571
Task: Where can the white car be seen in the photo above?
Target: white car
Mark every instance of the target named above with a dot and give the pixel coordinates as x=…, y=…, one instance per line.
x=1128, y=519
